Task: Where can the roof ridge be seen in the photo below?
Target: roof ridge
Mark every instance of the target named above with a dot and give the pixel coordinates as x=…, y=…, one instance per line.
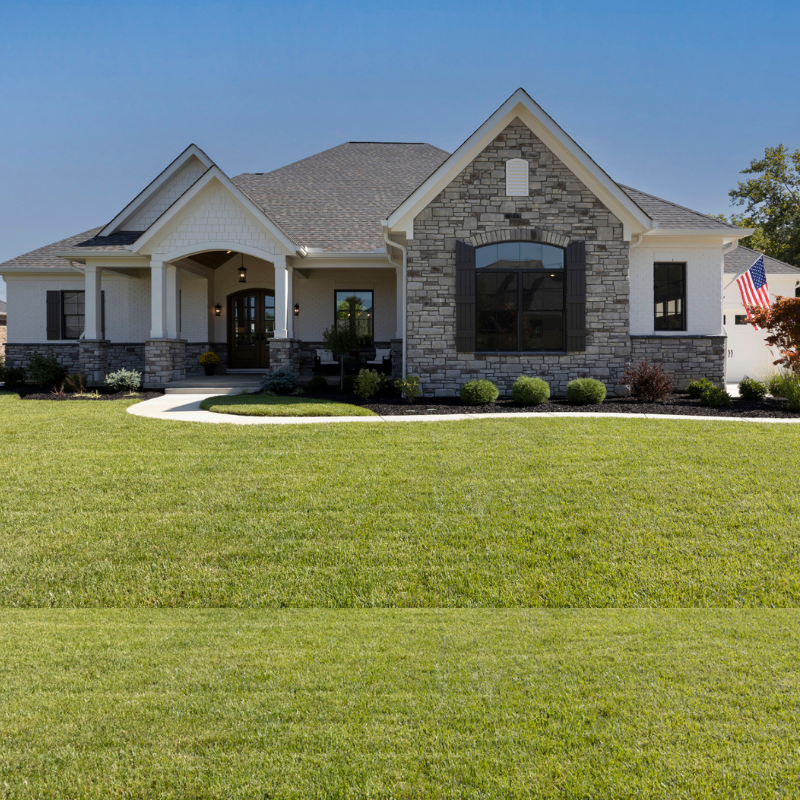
x=674, y=205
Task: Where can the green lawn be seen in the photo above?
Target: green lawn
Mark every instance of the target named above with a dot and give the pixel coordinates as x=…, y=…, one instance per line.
x=101, y=508
x=399, y=704
x=265, y=405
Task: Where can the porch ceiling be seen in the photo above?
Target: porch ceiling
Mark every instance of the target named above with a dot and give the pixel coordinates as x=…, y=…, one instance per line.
x=213, y=258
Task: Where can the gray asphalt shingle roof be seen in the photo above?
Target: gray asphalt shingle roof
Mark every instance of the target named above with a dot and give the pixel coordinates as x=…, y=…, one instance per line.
x=741, y=258
x=335, y=200
x=670, y=215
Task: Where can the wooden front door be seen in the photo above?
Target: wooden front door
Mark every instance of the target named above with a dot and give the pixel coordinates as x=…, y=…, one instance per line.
x=251, y=324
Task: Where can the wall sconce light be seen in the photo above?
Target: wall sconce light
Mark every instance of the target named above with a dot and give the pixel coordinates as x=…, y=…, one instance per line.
x=297, y=309
x=242, y=270
x=217, y=310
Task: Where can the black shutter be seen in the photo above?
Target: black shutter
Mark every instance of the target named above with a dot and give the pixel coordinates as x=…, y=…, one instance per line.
x=102, y=315
x=53, y=315
x=576, y=296
x=465, y=297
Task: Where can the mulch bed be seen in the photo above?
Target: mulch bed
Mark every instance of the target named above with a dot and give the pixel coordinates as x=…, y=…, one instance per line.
x=36, y=393
x=680, y=404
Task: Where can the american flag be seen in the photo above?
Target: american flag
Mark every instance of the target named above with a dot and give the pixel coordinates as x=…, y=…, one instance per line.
x=753, y=287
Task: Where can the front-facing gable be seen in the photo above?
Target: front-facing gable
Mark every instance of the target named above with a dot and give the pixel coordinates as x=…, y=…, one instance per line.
x=521, y=108
x=213, y=214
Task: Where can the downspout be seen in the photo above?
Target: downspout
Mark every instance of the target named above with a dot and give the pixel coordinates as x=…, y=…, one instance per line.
x=404, y=268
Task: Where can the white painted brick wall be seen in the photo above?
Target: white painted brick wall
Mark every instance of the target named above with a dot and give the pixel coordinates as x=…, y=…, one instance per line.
x=703, y=287
x=179, y=183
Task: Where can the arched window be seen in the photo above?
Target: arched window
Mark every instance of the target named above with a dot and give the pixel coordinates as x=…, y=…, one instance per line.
x=517, y=177
x=519, y=297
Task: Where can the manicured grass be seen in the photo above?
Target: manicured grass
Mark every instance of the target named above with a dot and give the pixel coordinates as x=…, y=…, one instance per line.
x=265, y=405
x=399, y=704
x=103, y=508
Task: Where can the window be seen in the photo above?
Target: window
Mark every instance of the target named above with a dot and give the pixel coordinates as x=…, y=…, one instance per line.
x=669, y=293
x=519, y=297
x=740, y=319
x=355, y=309
x=72, y=315
x=517, y=177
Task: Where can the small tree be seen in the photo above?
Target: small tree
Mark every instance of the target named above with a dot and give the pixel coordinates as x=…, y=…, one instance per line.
x=340, y=340
x=782, y=321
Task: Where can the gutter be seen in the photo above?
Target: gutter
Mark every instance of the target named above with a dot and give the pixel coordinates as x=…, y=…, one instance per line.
x=404, y=267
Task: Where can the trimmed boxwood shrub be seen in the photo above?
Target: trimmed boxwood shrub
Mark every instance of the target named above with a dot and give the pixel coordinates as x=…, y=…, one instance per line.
x=715, y=397
x=530, y=391
x=479, y=393
x=45, y=370
x=751, y=389
x=317, y=384
x=586, y=391
x=696, y=388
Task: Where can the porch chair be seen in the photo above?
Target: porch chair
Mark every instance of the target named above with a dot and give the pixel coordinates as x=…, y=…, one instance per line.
x=324, y=360
x=382, y=360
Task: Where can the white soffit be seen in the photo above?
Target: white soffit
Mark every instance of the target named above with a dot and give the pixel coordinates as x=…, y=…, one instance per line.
x=521, y=105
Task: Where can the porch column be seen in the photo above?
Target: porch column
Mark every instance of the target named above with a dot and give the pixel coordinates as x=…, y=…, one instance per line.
x=290, y=303
x=400, y=291
x=158, y=300
x=172, y=302
x=93, y=303
x=281, y=298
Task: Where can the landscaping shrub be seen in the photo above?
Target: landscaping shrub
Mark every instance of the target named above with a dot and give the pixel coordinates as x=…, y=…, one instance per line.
x=648, y=382
x=317, y=384
x=750, y=389
x=479, y=393
x=586, y=391
x=530, y=391
x=13, y=376
x=45, y=370
x=368, y=383
x=124, y=380
x=2, y=369
x=410, y=387
x=784, y=384
x=75, y=382
x=715, y=396
x=279, y=381
x=696, y=388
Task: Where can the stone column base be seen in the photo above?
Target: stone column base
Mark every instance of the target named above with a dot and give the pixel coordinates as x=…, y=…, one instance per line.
x=164, y=362
x=397, y=358
x=284, y=354
x=94, y=360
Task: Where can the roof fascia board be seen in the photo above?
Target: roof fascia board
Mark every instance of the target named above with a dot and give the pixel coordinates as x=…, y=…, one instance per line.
x=40, y=270
x=521, y=105
x=213, y=173
x=154, y=187
x=732, y=234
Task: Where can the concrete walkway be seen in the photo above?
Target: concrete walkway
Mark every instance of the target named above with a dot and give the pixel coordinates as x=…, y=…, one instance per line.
x=186, y=408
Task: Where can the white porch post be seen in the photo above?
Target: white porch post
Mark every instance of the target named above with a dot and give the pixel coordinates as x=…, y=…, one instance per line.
x=173, y=319
x=92, y=302
x=290, y=303
x=400, y=291
x=158, y=300
x=281, y=298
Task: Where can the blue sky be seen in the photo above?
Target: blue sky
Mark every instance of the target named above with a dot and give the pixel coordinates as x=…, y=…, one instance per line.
x=672, y=98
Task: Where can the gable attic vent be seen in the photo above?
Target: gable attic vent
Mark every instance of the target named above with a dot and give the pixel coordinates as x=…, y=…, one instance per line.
x=517, y=177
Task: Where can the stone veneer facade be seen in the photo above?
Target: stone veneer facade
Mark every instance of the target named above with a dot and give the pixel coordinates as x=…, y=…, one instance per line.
x=165, y=361
x=284, y=354
x=687, y=357
x=560, y=208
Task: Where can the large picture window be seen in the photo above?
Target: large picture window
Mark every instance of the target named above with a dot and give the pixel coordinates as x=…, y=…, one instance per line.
x=669, y=294
x=72, y=314
x=354, y=309
x=519, y=297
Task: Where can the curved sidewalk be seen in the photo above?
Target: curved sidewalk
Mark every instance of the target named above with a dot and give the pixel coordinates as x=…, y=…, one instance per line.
x=186, y=408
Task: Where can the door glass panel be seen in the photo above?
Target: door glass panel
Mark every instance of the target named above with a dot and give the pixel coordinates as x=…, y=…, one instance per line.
x=269, y=315
x=244, y=315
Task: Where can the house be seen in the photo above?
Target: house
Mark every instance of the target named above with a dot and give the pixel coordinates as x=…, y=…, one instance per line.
x=747, y=350
x=515, y=254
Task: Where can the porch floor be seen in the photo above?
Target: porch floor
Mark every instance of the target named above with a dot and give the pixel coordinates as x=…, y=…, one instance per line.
x=216, y=384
